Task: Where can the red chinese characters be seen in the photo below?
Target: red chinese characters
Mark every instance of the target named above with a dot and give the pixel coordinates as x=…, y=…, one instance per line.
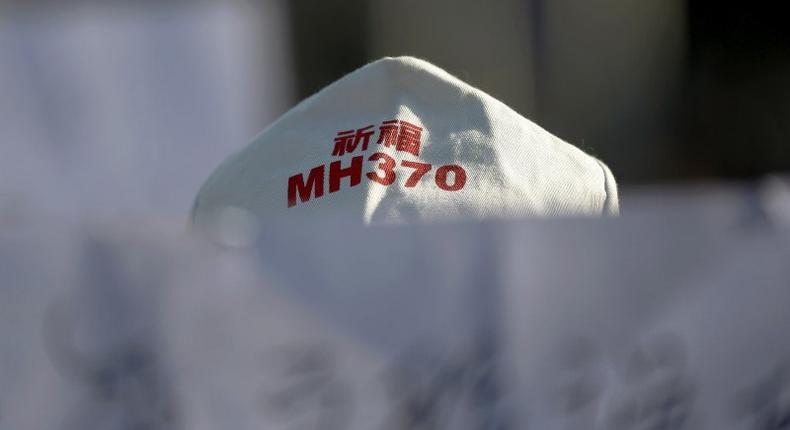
x=347, y=141
x=404, y=136
x=398, y=134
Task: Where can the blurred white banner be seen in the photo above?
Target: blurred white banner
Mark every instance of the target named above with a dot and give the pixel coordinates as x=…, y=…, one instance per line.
x=118, y=107
x=671, y=318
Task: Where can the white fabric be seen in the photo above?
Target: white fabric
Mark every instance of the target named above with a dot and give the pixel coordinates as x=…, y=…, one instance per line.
x=513, y=167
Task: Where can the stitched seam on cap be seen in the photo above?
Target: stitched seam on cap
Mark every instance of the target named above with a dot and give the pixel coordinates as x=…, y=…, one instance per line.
x=605, y=187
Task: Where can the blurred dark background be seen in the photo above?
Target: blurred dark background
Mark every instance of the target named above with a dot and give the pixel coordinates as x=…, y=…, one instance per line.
x=117, y=106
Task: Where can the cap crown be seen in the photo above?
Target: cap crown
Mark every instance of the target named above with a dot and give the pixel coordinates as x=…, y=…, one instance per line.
x=402, y=140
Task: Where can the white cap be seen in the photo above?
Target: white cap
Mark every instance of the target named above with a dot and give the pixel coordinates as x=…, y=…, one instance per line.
x=401, y=140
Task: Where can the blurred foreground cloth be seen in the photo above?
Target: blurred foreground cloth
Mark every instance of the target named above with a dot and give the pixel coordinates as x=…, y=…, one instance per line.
x=671, y=317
